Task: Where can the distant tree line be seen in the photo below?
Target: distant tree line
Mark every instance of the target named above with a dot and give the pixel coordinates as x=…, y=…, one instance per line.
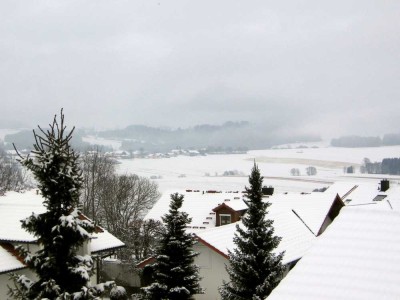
x=354, y=141
x=349, y=169
x=390, y=166
x=370, y=167
x=310, y=171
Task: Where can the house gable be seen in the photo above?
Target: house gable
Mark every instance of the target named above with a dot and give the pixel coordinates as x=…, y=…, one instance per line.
x=333, y=212
x=212, y=247
x=17, y=206
x=10, y=260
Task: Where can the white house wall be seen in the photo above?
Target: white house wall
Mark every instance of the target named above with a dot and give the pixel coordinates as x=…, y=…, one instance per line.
x=5, y=281
x=212, y=271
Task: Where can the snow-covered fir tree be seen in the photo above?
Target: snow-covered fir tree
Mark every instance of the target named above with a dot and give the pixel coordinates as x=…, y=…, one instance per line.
x=254, y=268
x=175, y=274
x=61, y=231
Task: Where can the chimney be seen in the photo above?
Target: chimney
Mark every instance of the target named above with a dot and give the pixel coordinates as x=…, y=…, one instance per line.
x=384, y=185
x=267, y=191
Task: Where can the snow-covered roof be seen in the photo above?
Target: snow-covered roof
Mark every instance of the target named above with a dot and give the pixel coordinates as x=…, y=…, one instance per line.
x=197, y=204
x=311, y=208
x=15, y=207
x=296, y=238
x=368, y=194
x=358, y=257
x=358, y=192
x=297, y=218
x=393, y=197
x=8, y=262
x=342, y=188
x=236, y=205
x=102, y=241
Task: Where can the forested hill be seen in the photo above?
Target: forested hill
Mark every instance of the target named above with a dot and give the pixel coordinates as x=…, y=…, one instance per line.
x=354, y=141
x=230, y=135
x=24, y=140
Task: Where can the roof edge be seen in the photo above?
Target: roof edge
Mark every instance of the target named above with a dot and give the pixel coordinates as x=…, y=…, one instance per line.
x=19, y=241
x=12, y=270
x=211, y=247
x=108, y=249
x=146, y=262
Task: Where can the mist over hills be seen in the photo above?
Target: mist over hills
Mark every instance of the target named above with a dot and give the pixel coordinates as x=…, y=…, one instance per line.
x=240, y=135
x=24, y=139
x=12, y=123
x=228, y=137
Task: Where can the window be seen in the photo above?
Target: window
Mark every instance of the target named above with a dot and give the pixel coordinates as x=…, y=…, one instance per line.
x=224, y=219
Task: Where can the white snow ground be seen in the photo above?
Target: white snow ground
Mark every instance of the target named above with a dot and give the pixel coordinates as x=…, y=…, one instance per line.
x=275, y=166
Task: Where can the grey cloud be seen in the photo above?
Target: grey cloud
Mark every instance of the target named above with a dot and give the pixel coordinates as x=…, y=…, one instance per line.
x=305, y=66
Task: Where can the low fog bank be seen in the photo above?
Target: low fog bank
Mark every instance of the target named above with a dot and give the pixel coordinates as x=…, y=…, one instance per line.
x=228, y=137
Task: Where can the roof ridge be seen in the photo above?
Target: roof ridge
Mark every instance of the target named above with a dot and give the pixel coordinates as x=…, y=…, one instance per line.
x=350, y=191
x=297, y=215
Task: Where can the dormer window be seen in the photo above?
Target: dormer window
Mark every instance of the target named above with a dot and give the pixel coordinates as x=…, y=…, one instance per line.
x=225, y=214
x=225, y=219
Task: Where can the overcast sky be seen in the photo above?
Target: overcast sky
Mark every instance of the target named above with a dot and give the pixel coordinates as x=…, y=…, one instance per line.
x=305, y=66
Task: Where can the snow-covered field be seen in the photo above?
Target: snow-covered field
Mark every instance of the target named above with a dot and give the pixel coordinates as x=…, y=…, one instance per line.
x=205, y=172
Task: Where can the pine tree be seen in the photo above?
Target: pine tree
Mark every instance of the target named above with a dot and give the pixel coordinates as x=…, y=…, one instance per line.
x=175, y=275
x=61, y=231
x=254, y=269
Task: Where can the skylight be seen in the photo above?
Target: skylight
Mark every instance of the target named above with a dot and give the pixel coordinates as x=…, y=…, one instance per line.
x=379, y=197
